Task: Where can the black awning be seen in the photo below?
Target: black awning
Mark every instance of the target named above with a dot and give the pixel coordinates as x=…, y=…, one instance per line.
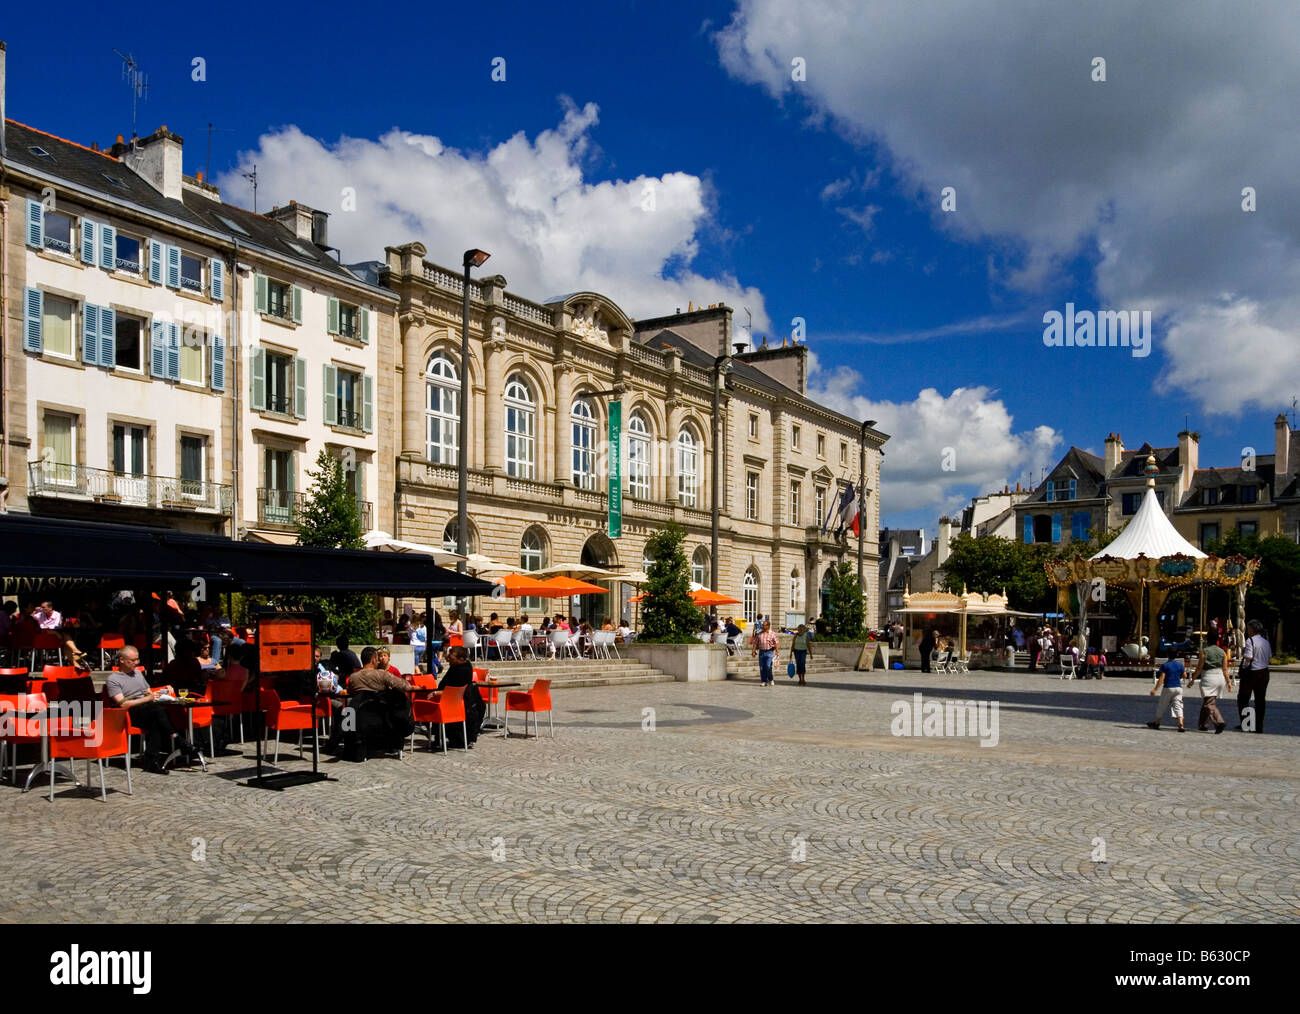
x=40, y=556
x=278, y=570
x=44, y=556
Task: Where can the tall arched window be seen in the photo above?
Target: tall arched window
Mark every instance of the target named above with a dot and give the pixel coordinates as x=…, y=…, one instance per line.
x=521, y=428
x=441, y=420
x=796, y=591
x=584, y=444
x=638, y=457
x=532, y=556
x=700, y=566
x=750, y=596
x=688, y=468
x=449, y=540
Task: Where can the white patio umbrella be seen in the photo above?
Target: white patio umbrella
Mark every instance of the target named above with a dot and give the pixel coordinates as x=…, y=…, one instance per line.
x=385, y=543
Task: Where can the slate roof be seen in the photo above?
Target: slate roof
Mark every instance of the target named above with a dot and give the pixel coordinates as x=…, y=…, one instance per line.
x=1133, y=463
x=696, y=356
x=1078, y=464
x=1226, y=480
x=91, y=170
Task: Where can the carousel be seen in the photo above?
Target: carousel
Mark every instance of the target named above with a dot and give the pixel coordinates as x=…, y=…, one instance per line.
x=1148, y=561
x=963, y=607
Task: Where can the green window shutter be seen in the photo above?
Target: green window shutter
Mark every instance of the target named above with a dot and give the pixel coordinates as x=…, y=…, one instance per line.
x=297, y=305
x=260, y=299
x=365, y=325
x=87, y=241
x=367, y=403
x=217, y=279
x=173, y=350
x=155, y=262
x=218, y=363
x=174, y=267
x=300, y=387
x=158, y=349
x=257, y=377
x=107, y=247
x=90, y=333
x=36, y=224
x=332, y=316
x=107, y=337
x=291, y=479
x=33, y=307
x=330, y=379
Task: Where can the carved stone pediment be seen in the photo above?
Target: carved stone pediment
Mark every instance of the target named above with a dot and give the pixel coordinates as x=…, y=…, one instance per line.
x=588, y=322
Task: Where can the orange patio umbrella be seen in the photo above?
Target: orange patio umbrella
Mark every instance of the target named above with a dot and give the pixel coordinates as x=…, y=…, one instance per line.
x=524, y=586
x=707, y=597
x=563, y=587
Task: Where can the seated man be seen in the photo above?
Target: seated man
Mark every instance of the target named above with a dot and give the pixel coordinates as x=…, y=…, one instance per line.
x=127, y=688
x=367, y=680
x=185, y=671
x=344, y=660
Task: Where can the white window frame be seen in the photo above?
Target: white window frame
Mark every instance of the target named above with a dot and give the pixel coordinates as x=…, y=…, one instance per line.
x=750, y=600
x=531, y=558
x=73, y=234
x=688, y=468
x=796, y=501
x=62, y=473
x=582, y=423
x=751, y=496
x=700, y=567
x=794, y=436
x=638, y=457
x=73, y=317
x=521, y=428
x=441, y=399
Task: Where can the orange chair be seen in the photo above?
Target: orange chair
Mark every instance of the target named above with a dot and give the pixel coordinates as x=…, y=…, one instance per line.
x=201, y=718
x=530, y=702
x=228, y=701
x=107, y=643
x=69, y=744
x=58, y=672
x=24, y=730
x=44, y=642
x=488, y=693
x=450, y=707
x=14, y=680
x=285, y=715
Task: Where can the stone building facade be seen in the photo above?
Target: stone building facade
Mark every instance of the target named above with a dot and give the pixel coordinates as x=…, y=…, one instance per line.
x=537, y=465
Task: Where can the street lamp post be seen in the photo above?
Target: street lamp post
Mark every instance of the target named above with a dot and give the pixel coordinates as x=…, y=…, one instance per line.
x=721, y=367
x=862, y=489
x=473, y=259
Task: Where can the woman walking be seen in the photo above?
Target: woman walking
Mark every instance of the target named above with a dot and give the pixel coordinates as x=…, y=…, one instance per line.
x=801, y=647
x=765, y=649
x=1215, y=680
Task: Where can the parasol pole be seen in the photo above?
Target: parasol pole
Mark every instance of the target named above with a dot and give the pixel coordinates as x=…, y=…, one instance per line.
x=1142, y=595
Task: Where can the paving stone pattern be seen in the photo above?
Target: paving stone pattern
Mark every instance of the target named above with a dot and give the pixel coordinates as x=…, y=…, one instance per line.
x=744, y=804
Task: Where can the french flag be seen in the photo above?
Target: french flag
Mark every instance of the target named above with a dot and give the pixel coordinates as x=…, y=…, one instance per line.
x=850, y=511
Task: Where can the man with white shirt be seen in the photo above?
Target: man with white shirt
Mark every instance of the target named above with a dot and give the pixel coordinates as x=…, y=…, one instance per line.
x=47, y=617
x=1254, y=673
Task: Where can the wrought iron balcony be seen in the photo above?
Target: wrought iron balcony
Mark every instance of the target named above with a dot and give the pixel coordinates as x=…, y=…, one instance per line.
x=102, y=485
x=281, y=507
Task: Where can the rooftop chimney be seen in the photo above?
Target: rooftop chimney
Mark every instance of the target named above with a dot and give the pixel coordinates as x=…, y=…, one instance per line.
x=1282, y=463
x=157, y=158
x=296, y=217
x=943, y=546
x=739, y=347
x=1189, y=456
x=1114, y=451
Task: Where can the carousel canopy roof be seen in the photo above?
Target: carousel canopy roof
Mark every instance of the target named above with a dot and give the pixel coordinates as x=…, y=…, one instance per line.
x=1150, y=534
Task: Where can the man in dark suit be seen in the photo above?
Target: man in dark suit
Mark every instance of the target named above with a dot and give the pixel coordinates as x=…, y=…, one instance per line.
x=928, y=640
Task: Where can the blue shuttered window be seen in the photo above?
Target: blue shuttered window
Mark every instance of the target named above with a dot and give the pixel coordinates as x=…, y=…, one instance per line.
x=107, y=247
x=1056, y=528
x=173, y=350
x=36, y=224
x=87, y=242
x=155, y=261
x=158, y=349
x=1080, y=526
x=174, y=267
x=107, y=337
x=217, y=285
x=33, y=307
x=90, y=334
x=218, y=363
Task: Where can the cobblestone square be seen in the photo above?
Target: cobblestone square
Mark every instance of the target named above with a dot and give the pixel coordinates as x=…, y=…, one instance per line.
x=743, y=804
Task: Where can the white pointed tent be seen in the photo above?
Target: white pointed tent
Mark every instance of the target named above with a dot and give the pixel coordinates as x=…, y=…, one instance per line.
x=1151, y=534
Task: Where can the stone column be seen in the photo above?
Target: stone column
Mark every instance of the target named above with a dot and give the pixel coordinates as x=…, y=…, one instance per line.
x=561, y=438
x=494, y=351
x=413, y=392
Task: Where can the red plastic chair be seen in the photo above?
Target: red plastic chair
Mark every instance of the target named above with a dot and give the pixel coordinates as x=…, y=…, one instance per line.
x=488, y=693
x=14, y=681
x=450, y=707
x=107, y=643
x=68, y=744
x=58, y=672
x=530, y=702
x=46, y=641
x=282, y=715
x=227, y=699
x=24, y=729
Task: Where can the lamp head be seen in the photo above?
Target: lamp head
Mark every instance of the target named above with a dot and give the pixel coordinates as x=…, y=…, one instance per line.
x=476, y=258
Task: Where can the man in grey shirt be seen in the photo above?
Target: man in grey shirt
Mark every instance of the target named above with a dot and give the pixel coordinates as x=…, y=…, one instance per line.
x=129, y=690
x=1254, y=673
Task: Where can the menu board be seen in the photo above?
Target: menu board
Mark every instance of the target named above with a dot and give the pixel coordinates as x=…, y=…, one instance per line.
x=284, y=644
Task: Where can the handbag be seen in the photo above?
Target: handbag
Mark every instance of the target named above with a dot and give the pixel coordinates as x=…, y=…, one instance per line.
x=789, y=668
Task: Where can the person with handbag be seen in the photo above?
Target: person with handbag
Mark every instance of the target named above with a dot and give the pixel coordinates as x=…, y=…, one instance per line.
x=1253, y=677
x=1211, y=666
x=800, y=648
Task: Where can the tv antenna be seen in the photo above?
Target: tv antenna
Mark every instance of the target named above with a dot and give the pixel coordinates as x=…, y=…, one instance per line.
x=253, y=177
x=138, y=82
x=749, y=326
x=207, y=166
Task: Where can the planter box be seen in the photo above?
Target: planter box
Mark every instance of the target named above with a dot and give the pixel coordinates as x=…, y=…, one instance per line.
x=686, y=663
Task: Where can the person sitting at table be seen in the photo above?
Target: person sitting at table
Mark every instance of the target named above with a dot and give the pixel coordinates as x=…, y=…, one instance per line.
x=584, y=639
x=383, y=661
x=206, y=661
x=370, y=677
x=344, y=660
x=127, y=688
x=461, y=674
x=185, y=672
x=624, y=632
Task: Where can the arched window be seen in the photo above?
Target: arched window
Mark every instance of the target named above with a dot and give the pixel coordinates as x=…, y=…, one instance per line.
x=750, y=596
x=441, y=419
x=584, y=444
x=638, y=457
x=521, y=428
x=532, y=556
x=796, y=591
x=700, y=566
x=449, y=541
x=688, y=468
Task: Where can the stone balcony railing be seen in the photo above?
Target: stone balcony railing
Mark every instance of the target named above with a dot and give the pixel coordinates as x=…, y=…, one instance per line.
x=102, y=485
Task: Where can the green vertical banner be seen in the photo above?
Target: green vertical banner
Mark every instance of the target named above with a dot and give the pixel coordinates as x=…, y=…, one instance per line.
x=615, y=469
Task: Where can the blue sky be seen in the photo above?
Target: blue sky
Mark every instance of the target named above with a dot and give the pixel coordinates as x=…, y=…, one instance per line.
x=815, y=198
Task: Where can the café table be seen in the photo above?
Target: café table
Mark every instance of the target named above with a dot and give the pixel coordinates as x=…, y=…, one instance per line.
x=497, y=723
x=189, y=704
x=61, y=767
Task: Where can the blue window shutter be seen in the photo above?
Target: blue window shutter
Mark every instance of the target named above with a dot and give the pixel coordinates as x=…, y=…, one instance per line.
x=300, y=387
x=365, y=325
x=173, y=349
x=107, y=247
x=87, y=241
x=332, y=315
x=297, y=304
x=174, y=267
x=36, y=224
x=107, y=337
x=1056, y=528
x=157, y=349
x=367, y=402
x=1074, y=489
x=155, y=261
x=218, y=363
x=257, y=377
x=329, y=380
x=33, y=307
x=90, y=334
x=260, y=298
x=217, y=274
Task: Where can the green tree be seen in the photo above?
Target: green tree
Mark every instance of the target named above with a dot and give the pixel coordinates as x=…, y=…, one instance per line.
x=846, y=610
x=668, y=615
x=993, y=563
x=331, y=519
x=1274, y=596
